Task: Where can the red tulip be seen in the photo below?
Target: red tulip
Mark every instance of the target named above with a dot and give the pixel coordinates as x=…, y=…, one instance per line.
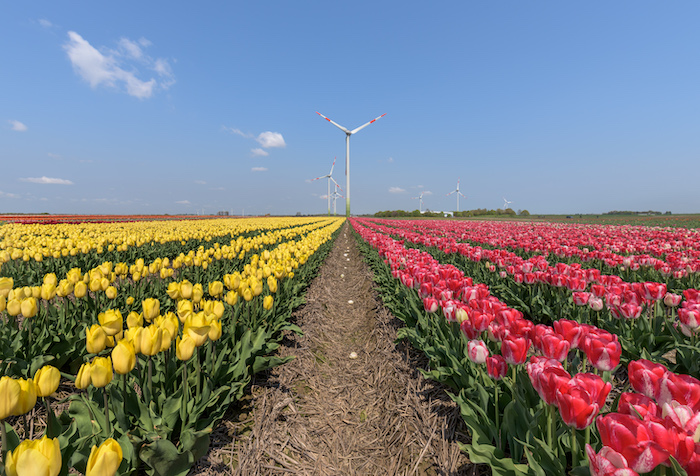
x=629, y=310
x=689, y=318
x=627, y=435
x=683, y=389
x=554, y=346
x=576, y=406
x=653, y=291
x=580, y=298
x=595, y=386
x=608, y=463
x=496, y=367
x=430, y=304
x=603, y=354
x=645, y=377
x=637, y=404
x=449, y=310
x=672, y=300
x=598, y=290
x=514, y=349
x=570, y=330
x=477, y=351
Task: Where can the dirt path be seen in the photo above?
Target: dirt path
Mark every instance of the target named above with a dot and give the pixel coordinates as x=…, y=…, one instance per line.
x=351, y=402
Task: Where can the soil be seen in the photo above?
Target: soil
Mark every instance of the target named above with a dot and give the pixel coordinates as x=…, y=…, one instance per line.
x=351, y=402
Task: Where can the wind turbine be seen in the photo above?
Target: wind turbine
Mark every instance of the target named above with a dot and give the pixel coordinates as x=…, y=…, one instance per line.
x=420, y=201
x=329, y=177
x=335, y=195
x=348, y=133
x=458, y=194
x=505, y=203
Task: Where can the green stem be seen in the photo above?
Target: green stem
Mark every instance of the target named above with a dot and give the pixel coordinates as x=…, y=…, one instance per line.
x=149, y=383
x=3, y=435
x=550, y=426
x=574, y=451
x=124, y=392
x=109, y=424
x=497, y=414
x=199, y=372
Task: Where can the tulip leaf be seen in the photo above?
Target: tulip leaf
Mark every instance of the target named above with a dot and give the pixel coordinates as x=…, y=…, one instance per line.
x=677, y=469
x=12, y=438
x=164, y=459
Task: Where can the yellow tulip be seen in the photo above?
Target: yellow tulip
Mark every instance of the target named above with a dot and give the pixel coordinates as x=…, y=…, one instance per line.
x=3, y=303
x=6, y=285
x=29, y=307
x=272, y=284
x=104, y=284
x=106, y=268
x=257, y=288
x=46, y=380
x=197, y=292
x=232, y=298
x=95, y=339
x=35, y=292
x=184, y=348
x=216, y=288
x=95, y=284
x=129, y=300
x=101, y=371
x=151, y=308
x=247, y=294
x=64, y=288
x=197, y=327
x=184, y=309
x=27, y=396
x=80, y=289
x=48, y=291
x=111, y=321
x=173, y=291
x=218, y=309
x=10, y=392
x=111, y=292
x=14, y=307
x=186, y=289
x=215, y=329
x=83, y=379
x=169, y=322
x=131, y=335
x=124, y=357
x=267, y=302
x=35, y=457
x=150, y=339
x=74, y=275
x=134, y=319
x=105, y=459
x=50, y=279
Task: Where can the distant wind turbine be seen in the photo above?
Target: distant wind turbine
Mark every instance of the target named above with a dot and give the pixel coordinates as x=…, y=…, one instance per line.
x=348, y=133
x=505, y=203
x=420, y=201
x=335, y=196
x=458, y=194
x=329, y=177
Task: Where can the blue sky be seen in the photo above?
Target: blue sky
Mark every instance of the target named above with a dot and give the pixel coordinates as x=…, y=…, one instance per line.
x=183, y=107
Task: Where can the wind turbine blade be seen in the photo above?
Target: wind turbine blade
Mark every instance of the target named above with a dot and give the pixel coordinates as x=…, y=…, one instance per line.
x=461, y=194
x=336, y=183
x=365, y=125
x=453, y=191
x=334, y=123
x=331, y=172
x=322, y=176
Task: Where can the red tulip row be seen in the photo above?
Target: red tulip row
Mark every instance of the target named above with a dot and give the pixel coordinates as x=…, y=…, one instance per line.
x=579, y=398
x=623, y=299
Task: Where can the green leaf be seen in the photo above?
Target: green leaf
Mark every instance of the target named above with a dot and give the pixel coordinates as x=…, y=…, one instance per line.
x=164, y=459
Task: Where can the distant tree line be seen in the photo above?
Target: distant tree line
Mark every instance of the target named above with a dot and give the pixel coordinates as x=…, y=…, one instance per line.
x=466, y=213
x=625, y=212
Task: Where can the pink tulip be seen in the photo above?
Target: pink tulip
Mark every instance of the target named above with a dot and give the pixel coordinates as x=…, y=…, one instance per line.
x=477, y=351
x=496, y=367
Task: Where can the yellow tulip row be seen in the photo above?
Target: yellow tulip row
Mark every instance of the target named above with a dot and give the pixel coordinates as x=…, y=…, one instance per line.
x=103, y=277
x=37, y=241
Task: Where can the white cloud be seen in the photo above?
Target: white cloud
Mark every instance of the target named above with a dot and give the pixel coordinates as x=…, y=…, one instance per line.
x=271, y=139
x=239, y=132
x=427, y=192
x=17, y=126
x=45, y=23
x=259, y=169
x=396, y=190
x=117, y=68
x=183, y=202
x=200, y=182
x=8, y=195
x=258, y=152
x=217, y=188
x=53, y=156
x=390, y=160
x=47, y=180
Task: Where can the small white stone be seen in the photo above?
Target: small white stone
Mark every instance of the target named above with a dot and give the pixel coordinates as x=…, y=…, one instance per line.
x=350, y=301
x=342, y=275
x=353, y=355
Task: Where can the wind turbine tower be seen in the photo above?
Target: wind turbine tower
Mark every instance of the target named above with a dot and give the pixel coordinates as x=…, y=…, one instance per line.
x=420, y=201
x=458, y=194
x=348, y=133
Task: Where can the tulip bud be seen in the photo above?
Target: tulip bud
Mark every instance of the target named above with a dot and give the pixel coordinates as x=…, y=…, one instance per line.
x=10, y=392
x=50, y=279
x=184, y=309
x=197, y=327
x=174, y=291
x=197, y=293
x=150, y=340
x=134, y=319
x=3, y=303
x=74, y=275
x=231, y=298
x=184, y=348
x=186, y=289
x=111, y=321
x=36, y=292
x=216, y=288
x=129, y=300
x=101, y=371
x=14, y=307
x=124, y=357
x=80, y=289
x=29, y=307
x=267, y=302
x=111, y=292
x=105, y=459
x=27, y=396
x=272, y=284
x=6, y=285
x=151, y=308
x=83, y=379
x=247, y=294
x=218, y=309
x=215, y=329
x=64, y=288
x=35, y=457
x=96, y=339
x=46, y=380
x=257, y=288
x=48, y=291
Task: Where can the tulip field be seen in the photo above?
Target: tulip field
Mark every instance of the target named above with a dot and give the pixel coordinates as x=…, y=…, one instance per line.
x=570, y=349
x=156, y=325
